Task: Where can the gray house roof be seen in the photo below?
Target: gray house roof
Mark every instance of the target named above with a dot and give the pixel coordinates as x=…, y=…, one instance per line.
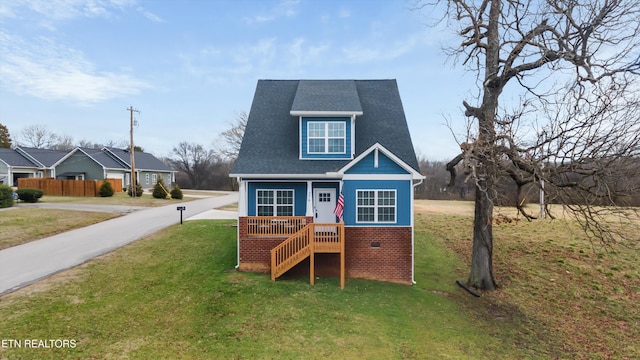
x=144, y=161
x=45, y=157
x=104, y=159
x=326, y=96
x=270, y=143
x=13, y=158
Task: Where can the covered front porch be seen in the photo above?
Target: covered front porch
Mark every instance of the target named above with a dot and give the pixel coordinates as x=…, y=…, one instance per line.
x=284, y=222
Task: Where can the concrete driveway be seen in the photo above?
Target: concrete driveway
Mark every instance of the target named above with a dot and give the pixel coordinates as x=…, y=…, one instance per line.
x=25, y=264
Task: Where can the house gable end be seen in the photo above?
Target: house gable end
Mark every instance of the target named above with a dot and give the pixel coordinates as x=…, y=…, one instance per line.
x=378, y=160
x=376, y=163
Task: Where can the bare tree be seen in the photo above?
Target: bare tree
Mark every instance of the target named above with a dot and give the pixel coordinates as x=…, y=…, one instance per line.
x=231, y=139
x=570, y=70
x=64, y=143
x=38, y=136
x=195, y=161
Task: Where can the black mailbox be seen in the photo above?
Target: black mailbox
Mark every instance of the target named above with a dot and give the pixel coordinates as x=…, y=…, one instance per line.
x=181, y=208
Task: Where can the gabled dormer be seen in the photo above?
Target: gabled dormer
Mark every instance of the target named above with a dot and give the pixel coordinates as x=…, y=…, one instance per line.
x=326, y=112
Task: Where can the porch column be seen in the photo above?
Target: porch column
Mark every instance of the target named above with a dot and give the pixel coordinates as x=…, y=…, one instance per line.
x=309, y=211
x=242, y=198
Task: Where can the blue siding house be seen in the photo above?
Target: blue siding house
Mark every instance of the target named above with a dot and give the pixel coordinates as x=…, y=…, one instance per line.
x=309, y=147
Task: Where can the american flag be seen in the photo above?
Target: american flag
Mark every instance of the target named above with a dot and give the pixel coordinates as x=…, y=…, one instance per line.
x=339, y=206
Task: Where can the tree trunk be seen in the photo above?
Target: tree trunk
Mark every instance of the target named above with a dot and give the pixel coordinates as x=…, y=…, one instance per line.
x=481, y=276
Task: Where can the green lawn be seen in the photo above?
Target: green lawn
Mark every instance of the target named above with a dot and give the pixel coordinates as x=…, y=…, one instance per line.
x=172, y=296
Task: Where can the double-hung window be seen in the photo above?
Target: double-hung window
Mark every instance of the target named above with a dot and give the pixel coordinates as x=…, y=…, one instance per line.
x=274, y=202
x=326, y=137
x=154, y=178
x=376, y=206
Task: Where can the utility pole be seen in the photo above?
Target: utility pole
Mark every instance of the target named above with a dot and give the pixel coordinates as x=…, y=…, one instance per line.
x=132, y=151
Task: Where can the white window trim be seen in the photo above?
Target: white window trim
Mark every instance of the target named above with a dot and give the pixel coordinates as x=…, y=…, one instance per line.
x=275, y=201
x=375, y=207
x=154, y=178
x=327, y=137
x=146, y=178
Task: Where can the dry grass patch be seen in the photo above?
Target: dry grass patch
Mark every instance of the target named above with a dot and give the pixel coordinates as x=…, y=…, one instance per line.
x=22, y=225
x=567, y=288
x=118, y=199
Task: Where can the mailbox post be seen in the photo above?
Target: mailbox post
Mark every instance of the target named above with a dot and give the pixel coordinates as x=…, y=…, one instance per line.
x=181, y=209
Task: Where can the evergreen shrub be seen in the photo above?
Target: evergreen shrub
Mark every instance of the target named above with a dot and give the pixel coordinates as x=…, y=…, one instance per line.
x=29, y=195
x=106, y=190
x=159, y=191
x=139, y=190
x=176, y=193
x=6, y=196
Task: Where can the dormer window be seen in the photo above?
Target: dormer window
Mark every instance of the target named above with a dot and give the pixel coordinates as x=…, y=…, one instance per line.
x=326, y=137
x=326, y=111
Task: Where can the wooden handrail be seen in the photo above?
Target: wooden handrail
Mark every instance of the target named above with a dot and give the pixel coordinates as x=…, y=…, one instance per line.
x=274, y=225
x=313, y=238
x=290, y=252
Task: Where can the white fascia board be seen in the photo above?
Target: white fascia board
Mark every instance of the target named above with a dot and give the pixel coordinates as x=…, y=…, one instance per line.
x=415, y=175
x=377, y=177
x=94, y=159
x=330, y=175
x=324, y=113
x=66, y=156
x=29, y=157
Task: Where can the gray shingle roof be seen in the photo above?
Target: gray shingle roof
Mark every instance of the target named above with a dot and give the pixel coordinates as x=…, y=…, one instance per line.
x=144, y=161
x=46, y=157
x=322, y=95
x=14, y=158
x=104, y=159
x=270, y=143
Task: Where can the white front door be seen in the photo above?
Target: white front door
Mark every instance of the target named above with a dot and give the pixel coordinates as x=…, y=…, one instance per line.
x=324, y=202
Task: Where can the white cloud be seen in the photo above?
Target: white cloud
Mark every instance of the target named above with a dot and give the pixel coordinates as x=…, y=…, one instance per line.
x=286, y=8
x=53, y=11
x=383, y=51
x=51, y=71
x=149, y=15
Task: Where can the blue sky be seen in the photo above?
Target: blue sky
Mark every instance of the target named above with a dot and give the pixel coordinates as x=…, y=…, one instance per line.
x=191, y=66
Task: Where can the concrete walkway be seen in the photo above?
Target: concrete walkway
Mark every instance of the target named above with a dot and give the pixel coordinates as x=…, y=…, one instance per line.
x=25, y=264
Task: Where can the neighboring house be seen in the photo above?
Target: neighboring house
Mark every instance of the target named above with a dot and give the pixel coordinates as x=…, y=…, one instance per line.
x=82, y=164
x=45, y=158
x=25, y=162
x=97, y=164
x=148, y=167
x=13, y=165
x=90, y=164
x=307, y=142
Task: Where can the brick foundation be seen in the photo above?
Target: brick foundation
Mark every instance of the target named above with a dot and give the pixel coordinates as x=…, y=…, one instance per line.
x=391, y=261
x=374, y=253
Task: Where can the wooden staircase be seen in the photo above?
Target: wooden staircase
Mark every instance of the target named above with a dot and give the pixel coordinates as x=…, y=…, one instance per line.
x=311, y=239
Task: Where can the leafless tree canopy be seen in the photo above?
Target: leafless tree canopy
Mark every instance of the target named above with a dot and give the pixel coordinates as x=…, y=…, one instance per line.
x=38, y=136
x=228, y=144
x=566, y=73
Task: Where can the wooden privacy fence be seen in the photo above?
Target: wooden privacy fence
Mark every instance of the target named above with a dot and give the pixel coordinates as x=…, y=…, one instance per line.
x=54, y=187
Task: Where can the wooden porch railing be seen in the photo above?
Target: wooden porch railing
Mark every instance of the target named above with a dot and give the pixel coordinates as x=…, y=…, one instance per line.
x=313, y=238
x=274, y=225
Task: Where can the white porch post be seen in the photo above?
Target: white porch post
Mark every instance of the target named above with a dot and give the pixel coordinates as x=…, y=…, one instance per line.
x=242, y=197
x=309, y=211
